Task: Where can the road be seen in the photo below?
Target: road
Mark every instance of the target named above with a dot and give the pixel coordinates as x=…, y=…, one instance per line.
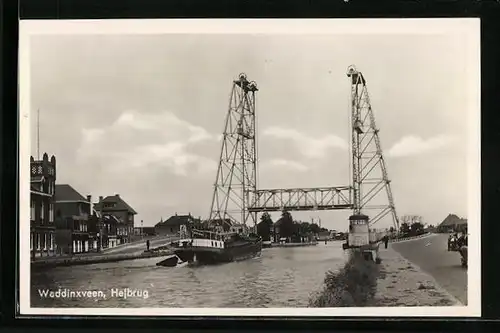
x=139, y=246
x=431, y=255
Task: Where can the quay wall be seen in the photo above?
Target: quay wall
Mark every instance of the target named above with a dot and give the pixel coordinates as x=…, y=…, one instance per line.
x=293, y=244
x=50, y=262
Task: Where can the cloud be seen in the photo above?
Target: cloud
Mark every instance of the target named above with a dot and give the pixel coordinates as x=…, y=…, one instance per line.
x=308, y=146
x=281, y=163
x=166, y=122
x=415, y=145
x=136, y=140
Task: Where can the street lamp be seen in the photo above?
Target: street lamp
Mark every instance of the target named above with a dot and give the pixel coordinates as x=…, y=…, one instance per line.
x=100, y=223
x=142, y=229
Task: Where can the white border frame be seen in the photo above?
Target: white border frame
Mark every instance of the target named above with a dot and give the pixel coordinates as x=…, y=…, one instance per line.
x=468, y=29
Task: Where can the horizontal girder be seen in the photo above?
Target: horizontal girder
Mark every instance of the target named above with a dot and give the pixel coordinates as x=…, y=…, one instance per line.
x=302, y=199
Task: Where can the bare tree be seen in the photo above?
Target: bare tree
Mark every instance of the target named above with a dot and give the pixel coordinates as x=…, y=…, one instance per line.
x=412, y=219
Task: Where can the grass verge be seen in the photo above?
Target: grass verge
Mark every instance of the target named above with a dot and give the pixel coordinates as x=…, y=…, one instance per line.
x=354, y=285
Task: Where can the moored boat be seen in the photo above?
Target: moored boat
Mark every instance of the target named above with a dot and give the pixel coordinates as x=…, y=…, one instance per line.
x=208, y=247
x=172, y=261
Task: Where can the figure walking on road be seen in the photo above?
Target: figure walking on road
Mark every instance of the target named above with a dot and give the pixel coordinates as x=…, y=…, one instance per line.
x=386, y=241
x=147, y=244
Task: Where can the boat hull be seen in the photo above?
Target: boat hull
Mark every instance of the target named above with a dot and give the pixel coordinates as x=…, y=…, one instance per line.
x=208, y=255
x=171, y=261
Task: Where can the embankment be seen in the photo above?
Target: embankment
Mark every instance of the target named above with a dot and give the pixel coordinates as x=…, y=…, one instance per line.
x=353, y=285
x=49, y=262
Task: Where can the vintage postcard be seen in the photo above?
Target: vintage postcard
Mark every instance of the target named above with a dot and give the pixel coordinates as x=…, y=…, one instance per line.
x=250, y=167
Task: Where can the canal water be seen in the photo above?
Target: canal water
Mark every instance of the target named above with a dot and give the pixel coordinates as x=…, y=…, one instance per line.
x=280, y=277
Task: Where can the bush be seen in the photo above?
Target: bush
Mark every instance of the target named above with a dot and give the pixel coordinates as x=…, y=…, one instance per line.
x=354, y=285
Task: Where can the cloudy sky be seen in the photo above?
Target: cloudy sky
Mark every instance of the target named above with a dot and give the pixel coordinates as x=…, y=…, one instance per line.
x=141, y=115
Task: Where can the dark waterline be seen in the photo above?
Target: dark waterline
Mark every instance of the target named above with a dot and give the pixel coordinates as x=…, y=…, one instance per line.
x=280, y=277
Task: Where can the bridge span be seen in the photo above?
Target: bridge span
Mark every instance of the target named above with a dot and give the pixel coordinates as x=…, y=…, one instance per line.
x=300, y=199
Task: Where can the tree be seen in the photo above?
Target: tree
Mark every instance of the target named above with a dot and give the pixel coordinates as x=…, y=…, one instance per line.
x=405, y=229
x=315, y=229
x=287, y=225
x=304, y=228
x=416, y=229
x=410, y=219
x=264, y=226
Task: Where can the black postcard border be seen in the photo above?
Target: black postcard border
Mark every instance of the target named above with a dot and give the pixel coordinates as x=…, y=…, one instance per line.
x=487, y=10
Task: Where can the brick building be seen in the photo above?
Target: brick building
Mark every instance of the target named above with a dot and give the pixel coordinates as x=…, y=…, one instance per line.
x=114, y=205
x=42, y=188
x=76, y=230
x=111, y=228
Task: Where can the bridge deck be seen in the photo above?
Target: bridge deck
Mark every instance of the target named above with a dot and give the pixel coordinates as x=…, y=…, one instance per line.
x=302, y=199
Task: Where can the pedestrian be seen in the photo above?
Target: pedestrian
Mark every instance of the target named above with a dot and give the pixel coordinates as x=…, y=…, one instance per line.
x=386, y=241
x=147, y=245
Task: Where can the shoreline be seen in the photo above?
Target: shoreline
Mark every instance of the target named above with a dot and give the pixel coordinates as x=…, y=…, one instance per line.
x=51, y=262
x=291, y=244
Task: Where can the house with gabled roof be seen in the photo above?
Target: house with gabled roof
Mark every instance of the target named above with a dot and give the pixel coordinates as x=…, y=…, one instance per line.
x=76, y=222
x=452, y=223
x=172, y=226
x=116, y=206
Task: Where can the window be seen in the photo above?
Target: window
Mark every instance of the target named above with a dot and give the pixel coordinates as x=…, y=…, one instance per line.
x=42, y=208
x=45, y=241
x=51, y=241
x=51, y=213
x=31, y=241
x=38, y=242
x=32, y=210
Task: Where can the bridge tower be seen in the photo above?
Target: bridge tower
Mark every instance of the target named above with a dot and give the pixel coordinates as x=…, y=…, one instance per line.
x=369, y=172
x=236, y=180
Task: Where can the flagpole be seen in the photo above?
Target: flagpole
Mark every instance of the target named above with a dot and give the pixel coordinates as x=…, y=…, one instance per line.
x=38, y=135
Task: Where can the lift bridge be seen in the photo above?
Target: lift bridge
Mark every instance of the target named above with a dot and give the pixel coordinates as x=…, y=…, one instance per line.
x=237, y=198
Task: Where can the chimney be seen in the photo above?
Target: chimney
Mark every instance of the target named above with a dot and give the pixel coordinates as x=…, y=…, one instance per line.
x=117, y=195
x=89, y=199
x=100, y=198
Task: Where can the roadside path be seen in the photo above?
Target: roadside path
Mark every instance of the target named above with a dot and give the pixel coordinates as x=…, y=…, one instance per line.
x=431, y=255
x=401, y=283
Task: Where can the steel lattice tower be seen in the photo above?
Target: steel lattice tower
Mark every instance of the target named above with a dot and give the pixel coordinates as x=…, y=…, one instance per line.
x=236, y=181
x=369, y=171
